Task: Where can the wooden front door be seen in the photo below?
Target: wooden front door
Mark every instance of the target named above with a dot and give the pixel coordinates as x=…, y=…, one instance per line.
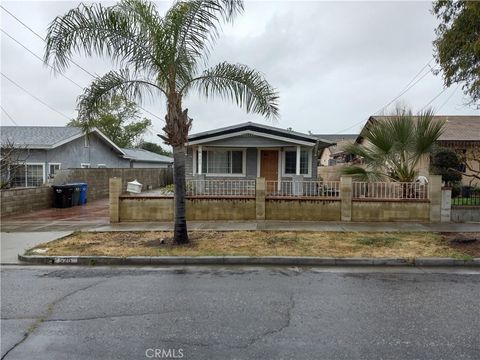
x=269, y=167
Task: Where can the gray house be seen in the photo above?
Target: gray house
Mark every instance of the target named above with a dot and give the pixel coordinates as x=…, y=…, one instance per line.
x=250, y=150
x=46, y=149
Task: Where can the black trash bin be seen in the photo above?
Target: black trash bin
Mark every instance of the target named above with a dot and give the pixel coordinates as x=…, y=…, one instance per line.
x=62, y=196
x=76, y=193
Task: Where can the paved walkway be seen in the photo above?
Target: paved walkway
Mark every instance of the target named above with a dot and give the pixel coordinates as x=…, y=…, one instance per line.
x=329, y=226
x=13, y=244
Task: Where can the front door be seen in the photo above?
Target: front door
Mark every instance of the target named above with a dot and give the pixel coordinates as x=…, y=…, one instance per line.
x=269, y=167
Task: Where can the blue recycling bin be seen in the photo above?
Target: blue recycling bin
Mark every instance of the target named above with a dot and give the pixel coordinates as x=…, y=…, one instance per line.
x=83, y=193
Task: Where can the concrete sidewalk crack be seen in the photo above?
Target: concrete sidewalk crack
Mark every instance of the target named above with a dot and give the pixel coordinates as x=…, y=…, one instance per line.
x=44, y=317
x=109, y=316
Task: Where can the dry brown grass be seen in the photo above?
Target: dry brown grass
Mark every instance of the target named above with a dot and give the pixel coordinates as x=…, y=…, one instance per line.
x=254, y=243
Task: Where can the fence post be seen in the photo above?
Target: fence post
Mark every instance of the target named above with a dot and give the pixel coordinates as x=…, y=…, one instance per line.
x=260, y=193
x=346, y=193
x=115, y=190
x=435, y=195
x=446, y=210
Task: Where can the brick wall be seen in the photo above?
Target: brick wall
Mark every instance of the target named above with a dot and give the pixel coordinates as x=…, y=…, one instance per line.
x=22, y=200
x=98, y=179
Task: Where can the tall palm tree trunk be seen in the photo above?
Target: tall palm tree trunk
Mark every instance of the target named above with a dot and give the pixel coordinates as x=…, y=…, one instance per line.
x=177, y=126
x=180, y=230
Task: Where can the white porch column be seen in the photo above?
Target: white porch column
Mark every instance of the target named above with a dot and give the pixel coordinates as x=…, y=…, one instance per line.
x=297, y=170
x=199, y=164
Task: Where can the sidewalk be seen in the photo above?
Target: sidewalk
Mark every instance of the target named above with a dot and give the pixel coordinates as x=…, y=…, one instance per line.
x=328, y=226
x=13, y=244
x=101, y=224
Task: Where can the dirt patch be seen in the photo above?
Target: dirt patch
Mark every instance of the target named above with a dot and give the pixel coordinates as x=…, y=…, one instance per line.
x=467, y=243
x=256, y=243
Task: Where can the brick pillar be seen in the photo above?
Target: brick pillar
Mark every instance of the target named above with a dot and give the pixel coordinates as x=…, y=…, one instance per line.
x=446, y=208
x=435, y=196
x=260, y=192
x=115, y=190
x=346, y=192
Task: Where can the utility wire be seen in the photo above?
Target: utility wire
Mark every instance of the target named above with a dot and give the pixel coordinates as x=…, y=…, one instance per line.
x=73, y=62
x=410, y=85
x=434, y=98
x=33, y=96
x=449, y=97
x=8, y=115
x=39, y=58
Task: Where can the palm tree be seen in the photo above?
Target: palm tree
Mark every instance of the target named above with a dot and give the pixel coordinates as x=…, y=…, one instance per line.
x=394, y=146
x=159, y=55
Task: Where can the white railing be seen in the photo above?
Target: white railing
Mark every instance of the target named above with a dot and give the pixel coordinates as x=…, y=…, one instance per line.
x=309, y=188
x=390, y=190
x=220, y=187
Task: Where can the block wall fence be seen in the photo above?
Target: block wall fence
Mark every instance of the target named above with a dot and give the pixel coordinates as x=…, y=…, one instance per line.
x=124, y=208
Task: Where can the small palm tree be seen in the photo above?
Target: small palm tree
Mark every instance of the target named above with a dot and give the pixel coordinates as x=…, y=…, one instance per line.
x=159, y=55
x=394, y=146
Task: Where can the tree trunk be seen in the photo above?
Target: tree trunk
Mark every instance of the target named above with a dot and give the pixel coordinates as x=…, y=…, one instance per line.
x=180, y=230
x=177, y=126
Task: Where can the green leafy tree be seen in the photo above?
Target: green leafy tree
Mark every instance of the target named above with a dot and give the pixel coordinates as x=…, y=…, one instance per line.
x=157, y=149
x=160, y=55
x=394, y=146
x=445, y=162
x=457, y=46
x=119, y=120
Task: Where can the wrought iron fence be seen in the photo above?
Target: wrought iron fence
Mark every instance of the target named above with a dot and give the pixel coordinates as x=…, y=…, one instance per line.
x=466, y=196
x=306, y=188
x=390, y=190
x=220, y=187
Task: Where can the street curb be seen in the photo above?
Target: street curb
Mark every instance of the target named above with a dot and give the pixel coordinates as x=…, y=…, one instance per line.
x=243, y=260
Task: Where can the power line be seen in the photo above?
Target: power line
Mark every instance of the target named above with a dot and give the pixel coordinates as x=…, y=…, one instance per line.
x=434, y=98
x=410, y=85
x=449, y=97
x=33, y=96
x=8, y=115
x=73, y=62
x=39, y=58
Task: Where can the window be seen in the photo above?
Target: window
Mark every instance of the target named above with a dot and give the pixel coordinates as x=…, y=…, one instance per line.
x=291, y=162
x=52, y=169
x=29, y=175
x=222, y=162
x=85, y=165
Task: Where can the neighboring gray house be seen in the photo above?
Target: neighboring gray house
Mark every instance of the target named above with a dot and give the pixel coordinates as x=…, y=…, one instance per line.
x=140, y=158
x=46, y=149
x=250, y=150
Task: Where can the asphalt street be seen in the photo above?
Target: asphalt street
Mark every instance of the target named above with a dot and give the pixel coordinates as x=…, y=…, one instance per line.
x=239, y=313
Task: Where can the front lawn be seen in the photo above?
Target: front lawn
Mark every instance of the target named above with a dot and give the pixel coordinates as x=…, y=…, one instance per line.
x=258, y=243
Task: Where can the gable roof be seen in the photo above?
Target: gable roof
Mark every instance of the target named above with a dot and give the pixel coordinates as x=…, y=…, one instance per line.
x=336, y=137
x=146, y=156
x=456, y=128
x=46, y=137
x=255, y=129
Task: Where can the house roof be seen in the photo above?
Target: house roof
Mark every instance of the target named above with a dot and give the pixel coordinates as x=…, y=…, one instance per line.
x=256, y=129
x=146, y=156
x=46, y=137
x=456, y=128
x=336, y=137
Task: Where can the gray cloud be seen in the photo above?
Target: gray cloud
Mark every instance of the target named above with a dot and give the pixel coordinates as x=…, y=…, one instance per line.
x=334, y=63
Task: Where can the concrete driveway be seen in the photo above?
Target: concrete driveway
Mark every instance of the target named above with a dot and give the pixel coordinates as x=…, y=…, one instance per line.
x=94, y=213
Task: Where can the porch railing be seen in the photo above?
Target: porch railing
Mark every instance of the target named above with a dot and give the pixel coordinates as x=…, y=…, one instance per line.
x=390, y=190
x=220, y=187
x=305, y=188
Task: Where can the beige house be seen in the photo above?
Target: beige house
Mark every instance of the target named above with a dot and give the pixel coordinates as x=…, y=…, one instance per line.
x=461, y=134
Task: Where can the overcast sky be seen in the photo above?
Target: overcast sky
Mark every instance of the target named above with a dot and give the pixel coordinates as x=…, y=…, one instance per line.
x=333, y=63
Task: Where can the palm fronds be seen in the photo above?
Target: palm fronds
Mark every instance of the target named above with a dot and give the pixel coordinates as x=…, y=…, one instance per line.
x=240, y=84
